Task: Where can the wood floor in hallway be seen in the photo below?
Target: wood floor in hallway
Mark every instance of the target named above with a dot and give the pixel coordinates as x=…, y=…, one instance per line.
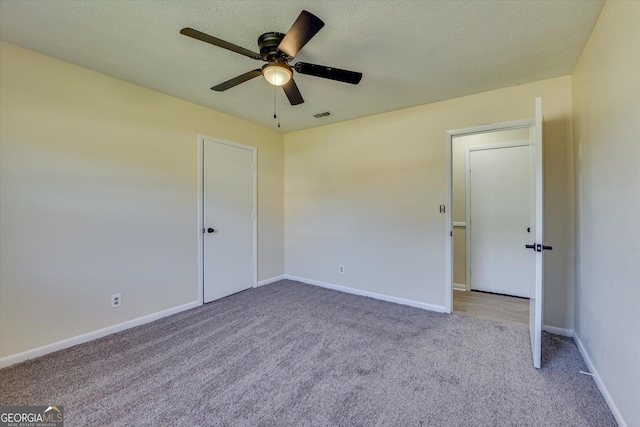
x=502, y=308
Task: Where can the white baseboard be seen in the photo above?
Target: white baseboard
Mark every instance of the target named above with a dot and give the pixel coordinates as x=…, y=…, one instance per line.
x=271, y=280
x=558, y=331
x=459, y=287
x=90, y=336
x=437, y=308
x=605, y=393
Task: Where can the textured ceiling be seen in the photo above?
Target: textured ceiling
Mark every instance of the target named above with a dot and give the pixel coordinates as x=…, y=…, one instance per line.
x=411, y=52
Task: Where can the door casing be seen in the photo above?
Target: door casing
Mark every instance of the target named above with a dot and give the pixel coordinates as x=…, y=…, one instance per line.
x=493, y=127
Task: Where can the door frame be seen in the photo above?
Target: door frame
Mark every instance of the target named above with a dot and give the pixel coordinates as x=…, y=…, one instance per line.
x=448, y=260
x=467, y=216
x=200, y=230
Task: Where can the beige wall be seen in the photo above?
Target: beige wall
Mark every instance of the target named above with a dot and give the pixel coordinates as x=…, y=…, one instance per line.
x=459, y=255
x=99, y=196
x=459, y=182
x=365, y=193
x=606, y=96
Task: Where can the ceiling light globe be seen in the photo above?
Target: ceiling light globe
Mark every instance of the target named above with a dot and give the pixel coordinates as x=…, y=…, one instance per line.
x=277, y=75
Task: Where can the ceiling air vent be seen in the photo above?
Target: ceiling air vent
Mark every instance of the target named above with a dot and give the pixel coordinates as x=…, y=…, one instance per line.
x=321, y=115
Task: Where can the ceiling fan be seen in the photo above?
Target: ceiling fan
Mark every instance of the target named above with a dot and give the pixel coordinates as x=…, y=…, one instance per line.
x=277, y=50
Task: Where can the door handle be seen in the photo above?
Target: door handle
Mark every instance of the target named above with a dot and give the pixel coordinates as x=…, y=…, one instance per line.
x=539, y=247
x=210, y=230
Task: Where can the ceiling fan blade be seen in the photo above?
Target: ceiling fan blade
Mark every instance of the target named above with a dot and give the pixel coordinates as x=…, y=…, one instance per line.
x=306, y=26
x=190, y=32
x=345, y=76
x=237, y=80
x=293, y=93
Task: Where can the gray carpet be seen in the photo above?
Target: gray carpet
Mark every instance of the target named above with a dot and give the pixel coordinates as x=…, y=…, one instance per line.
x=289, y=354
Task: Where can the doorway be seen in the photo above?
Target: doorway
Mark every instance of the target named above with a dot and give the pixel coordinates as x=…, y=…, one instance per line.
x=534, y=246
x=228, y=218
x=491, y=210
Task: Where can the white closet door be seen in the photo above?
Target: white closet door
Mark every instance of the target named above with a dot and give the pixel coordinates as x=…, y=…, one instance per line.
x=499, y=218
x=228, y=219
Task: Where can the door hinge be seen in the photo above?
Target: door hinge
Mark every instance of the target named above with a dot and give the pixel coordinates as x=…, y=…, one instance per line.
x=253, y=216
x=253, y=166
x=254, y=266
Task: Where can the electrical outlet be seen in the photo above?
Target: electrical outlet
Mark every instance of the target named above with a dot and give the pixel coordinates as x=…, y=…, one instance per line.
x=341, y=269
x=116, y=300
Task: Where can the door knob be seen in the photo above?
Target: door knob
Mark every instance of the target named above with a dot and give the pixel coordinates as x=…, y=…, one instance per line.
x=210, y=230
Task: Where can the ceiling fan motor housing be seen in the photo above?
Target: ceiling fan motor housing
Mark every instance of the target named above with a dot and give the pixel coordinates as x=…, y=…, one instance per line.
x=268, y=43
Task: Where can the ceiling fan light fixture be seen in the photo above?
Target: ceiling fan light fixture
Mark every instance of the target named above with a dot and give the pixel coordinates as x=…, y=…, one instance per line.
x=277, y=74
x=278, y=50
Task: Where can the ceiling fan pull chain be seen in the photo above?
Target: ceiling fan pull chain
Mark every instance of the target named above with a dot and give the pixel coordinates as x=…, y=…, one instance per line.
x=275, y=93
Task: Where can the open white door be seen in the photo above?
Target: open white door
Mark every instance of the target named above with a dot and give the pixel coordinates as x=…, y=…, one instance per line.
x=537, y=299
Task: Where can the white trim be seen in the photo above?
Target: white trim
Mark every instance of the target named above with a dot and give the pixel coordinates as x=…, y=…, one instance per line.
x=448, y=229
x=492, y=127
x=558, y=331
x=382, y=297
x=498, y=145
x=254, y=153
x=467, y=215
x=90, y=336
x=459, y=224
x=200, y=229
x=255, y=216
x=271, y=280
x=460, y=287
x=605, y=393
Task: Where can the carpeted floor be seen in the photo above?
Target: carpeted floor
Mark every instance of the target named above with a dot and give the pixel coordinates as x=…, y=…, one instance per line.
x=289, y=354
